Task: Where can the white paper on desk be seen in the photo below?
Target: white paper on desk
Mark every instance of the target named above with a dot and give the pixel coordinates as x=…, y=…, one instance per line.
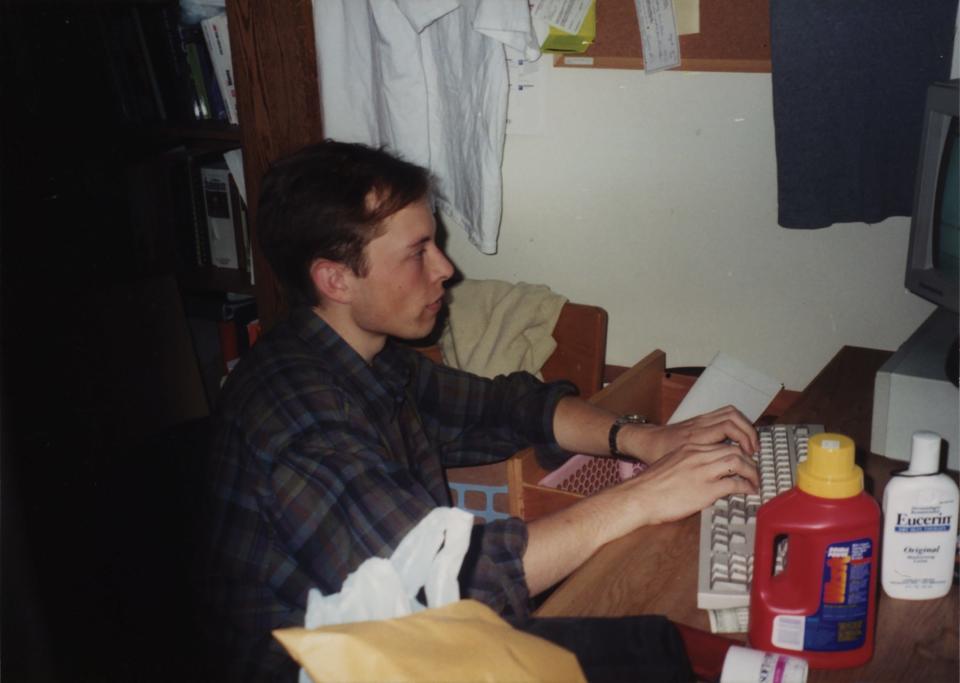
x=728, y=381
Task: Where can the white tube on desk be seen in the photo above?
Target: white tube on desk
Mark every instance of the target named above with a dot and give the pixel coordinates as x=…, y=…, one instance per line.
x=744, y=665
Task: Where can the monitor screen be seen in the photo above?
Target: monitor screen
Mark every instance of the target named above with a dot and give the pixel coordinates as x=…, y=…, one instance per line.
x=946, y=219
x=933, y=262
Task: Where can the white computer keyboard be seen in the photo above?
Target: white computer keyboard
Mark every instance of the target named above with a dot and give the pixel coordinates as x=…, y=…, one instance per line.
x=727, y=528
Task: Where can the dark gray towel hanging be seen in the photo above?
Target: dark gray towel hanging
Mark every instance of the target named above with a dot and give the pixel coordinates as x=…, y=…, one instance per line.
x=849, y=84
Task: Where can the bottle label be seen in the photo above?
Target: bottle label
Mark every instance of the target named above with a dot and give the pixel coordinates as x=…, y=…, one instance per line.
x=922, y=519
x=920, y=542
x=840, y=622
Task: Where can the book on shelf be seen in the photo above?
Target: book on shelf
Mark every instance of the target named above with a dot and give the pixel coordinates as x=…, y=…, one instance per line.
x=161, y=69
x=209, y=104
x=244, y=247
x=225, y=217
x=218, y=45
x=166, y=209
x=193, y=241
x=160, y=32
x=184, y=208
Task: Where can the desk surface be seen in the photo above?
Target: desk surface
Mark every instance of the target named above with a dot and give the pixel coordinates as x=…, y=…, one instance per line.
x=651, y=570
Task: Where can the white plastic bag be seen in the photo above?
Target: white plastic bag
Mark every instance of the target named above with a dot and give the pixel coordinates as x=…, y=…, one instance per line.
x=428, y=557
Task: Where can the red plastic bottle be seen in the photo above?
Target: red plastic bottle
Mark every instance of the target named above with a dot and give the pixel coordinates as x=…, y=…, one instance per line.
x=822, y=604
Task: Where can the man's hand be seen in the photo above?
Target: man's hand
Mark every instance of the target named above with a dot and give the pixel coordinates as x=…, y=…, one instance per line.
x=652, y=442
x=688, y=480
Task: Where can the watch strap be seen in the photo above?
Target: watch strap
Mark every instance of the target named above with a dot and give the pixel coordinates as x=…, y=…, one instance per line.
x=615, y=429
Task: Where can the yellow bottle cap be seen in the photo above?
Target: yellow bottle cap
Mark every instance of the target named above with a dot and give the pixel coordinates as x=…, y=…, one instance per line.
x=829, y=470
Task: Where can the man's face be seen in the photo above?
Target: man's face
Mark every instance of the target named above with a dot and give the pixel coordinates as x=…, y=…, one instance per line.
x=402, y=292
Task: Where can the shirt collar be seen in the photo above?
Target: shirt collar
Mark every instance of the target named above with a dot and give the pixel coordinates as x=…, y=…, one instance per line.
x=384, y=381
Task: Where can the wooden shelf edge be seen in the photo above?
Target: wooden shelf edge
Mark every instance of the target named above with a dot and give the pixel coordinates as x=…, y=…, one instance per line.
x=216, y=280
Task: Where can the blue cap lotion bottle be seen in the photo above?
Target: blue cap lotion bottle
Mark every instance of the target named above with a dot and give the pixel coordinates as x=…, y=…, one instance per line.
x=920, y=507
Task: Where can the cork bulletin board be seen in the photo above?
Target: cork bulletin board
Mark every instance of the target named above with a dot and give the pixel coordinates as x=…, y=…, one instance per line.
x=734, y=36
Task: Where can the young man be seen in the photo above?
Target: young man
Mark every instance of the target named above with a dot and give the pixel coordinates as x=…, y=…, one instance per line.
x=332, y=437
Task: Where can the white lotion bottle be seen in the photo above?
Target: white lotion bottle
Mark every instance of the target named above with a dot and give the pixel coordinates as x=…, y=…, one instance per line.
x=920, y=507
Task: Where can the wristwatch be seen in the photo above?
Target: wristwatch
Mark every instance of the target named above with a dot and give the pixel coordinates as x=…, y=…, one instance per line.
x=615, y=429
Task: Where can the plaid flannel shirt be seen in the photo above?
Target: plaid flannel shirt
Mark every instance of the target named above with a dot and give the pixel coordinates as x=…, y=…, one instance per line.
x=321, y=461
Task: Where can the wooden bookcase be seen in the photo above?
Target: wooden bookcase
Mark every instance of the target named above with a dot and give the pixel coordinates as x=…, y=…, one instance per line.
x=278, y=102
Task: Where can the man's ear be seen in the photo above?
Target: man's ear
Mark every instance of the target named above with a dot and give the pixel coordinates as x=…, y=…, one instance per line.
x=331, y=280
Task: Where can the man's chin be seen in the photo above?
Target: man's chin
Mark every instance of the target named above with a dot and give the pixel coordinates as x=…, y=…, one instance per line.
x=421, y=330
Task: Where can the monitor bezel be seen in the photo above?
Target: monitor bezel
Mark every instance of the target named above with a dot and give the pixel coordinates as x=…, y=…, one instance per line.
x=921, y=277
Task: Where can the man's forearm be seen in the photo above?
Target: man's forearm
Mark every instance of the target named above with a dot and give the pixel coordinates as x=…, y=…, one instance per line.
x=581, y=427
x=692, y=463
x=559, y=543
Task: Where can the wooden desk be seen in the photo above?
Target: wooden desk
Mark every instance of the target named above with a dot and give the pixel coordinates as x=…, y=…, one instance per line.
x=654, y=570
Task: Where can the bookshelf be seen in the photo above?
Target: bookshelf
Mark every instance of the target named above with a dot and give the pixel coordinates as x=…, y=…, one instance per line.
x=80, y=191
x=110, y=104
x=278, y=99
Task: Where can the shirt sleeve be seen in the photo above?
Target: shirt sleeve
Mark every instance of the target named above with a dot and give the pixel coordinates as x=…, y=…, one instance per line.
x=475, y=420
x=492, y=571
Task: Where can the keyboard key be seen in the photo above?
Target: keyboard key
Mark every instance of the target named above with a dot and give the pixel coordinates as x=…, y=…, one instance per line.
x=727, y=529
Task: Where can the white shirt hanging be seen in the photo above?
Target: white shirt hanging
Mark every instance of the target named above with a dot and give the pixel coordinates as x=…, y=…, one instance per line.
x=428, y=80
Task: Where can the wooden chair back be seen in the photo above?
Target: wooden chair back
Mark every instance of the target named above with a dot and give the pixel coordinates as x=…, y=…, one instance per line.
x=581, y=336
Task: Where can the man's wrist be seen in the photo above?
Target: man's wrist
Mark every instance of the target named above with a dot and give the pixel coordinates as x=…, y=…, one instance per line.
x=614, y=434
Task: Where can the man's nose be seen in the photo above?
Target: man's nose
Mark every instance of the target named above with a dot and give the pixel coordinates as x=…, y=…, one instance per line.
x=442, y=268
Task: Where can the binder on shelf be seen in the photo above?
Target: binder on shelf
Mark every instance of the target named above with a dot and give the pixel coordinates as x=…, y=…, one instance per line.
x=193, y=242
x=225, y=218
x=199, y=232
x=218, y=45
x=220, y=215
x=244, y=248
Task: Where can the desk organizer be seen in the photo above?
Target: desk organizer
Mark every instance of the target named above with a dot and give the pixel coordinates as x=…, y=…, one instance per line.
x=586, y=474
x=479, y=499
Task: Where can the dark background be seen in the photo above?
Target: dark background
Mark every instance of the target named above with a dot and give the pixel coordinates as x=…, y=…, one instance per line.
x=101, y=408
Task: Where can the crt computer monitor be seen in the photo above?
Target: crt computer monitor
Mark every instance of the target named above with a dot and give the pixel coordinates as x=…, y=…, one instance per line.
x=916, y=389
x=933, y=261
